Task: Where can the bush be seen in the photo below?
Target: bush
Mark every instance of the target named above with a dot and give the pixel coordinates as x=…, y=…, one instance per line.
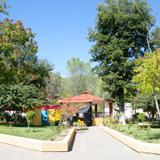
x=141, y=117
x=109, y=120
x=117, y=116
x=19, y=97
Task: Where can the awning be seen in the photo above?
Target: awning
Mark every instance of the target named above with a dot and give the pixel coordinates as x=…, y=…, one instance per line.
x=84, y=109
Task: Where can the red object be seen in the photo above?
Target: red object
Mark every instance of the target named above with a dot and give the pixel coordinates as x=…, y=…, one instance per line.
x=85, y=97
x=46, y=107
x=110, y=108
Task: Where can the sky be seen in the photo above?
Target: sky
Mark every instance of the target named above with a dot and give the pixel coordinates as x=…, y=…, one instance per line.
x=61, y=27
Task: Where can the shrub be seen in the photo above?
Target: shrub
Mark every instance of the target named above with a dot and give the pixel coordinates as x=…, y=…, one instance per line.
x=109, y=120
x=29, y=117
x=19, y=97
x=141, y=117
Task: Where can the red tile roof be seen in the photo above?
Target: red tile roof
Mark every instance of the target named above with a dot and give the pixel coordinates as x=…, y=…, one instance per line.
x=83, y=98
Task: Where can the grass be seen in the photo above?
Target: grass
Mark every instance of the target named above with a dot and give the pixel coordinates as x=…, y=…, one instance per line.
x=151, y=135
x=42, y=133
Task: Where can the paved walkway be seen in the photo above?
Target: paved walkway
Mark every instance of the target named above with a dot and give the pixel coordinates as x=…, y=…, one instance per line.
x=93, y=144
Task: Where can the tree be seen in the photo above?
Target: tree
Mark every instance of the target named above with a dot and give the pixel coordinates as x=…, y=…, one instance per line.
x=18, y=59
x=38, y=74
x=78, y=70
x=81, y=77
x=148, y=75
x=122, y=30
x=53, y=86
x=17, y=51
x=22, y=75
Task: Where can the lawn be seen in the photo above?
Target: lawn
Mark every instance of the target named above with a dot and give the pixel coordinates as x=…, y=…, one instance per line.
x=42, y=133
x=151, y=135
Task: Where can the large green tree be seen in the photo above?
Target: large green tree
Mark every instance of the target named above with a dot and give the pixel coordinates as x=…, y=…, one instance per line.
x=23, y=77
x=121, y=34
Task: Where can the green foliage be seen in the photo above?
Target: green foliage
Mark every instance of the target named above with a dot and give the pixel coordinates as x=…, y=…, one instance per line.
x=121, y=30
x=41, y=133
x=40, y=72
x=19, y=97
x=53, y=86
x=17, y=51
x=151, y=135
x=20, y=69
x=23, y=77
x=141, y=117
x=108, y=121
x=147, y=103
x=18, y=60
x=148, y=73
x=81, y=78
x=30, y=115
x=144, y=101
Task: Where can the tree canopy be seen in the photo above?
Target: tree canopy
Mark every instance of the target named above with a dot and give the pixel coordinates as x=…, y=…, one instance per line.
x=121, y=34
x=147, y=75
x=17, y=51
x=81, y=78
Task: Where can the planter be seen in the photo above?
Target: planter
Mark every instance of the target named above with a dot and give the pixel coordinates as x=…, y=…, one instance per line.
x=40, y=145
x=136, y=145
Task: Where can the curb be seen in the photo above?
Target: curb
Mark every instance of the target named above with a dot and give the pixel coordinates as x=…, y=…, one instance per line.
x=136, y=145
x=40, y=145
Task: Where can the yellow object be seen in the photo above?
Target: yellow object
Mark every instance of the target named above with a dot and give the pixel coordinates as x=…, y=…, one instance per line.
x=37, y=118
x=80, y=123
x=54, y=115
x=97, y=121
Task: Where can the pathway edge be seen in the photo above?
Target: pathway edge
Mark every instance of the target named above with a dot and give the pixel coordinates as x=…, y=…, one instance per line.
x=40, y=145
x=136, y=145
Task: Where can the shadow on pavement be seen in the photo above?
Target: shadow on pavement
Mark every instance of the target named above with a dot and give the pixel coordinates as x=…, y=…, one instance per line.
x=72, y=143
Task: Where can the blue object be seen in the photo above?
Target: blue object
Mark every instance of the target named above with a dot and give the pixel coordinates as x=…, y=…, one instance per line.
x=44, y=117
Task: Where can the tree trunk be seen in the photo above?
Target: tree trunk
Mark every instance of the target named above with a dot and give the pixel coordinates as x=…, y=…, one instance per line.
x=121, y=106
x=157, y=106
x=29, y=122
x=122, y=112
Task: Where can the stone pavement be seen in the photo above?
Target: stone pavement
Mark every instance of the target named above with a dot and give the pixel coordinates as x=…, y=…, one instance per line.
x=92, y=144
